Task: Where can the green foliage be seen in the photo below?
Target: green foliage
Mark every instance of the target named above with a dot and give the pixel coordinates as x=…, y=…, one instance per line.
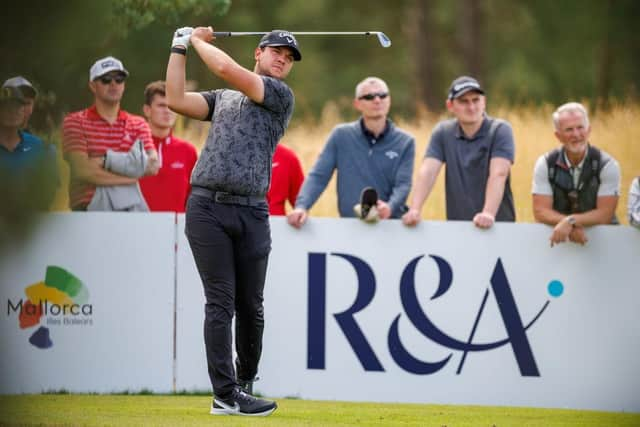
x=54, y=43
x=523, y=52
x=331, y=65
x=556, y=51
x=128, y=15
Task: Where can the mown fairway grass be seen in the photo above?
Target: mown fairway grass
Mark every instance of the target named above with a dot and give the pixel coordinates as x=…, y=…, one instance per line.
x=179, y=410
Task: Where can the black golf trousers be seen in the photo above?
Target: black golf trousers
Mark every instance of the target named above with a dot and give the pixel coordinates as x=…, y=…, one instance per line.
x=230, y=244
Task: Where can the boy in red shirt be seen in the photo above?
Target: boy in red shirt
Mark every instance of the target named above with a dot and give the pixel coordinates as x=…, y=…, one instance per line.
x=168, y=190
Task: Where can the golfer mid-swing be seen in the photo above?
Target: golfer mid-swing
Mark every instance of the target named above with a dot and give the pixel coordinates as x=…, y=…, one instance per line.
x=227, y=218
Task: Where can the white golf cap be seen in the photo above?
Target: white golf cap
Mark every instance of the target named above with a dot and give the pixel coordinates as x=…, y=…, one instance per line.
x=23, y=84
x=104, y=66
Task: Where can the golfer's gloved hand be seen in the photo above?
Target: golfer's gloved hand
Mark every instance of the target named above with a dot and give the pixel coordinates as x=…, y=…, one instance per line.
x=181, y=37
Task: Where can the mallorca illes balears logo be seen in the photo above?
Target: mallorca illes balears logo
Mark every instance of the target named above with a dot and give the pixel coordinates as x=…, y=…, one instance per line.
x=60, y=300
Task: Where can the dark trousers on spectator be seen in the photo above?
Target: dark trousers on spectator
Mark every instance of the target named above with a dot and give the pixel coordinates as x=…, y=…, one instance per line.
x=230, y=244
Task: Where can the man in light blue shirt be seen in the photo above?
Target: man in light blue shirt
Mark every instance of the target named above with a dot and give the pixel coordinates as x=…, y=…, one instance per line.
x=29, y=93
x=27, y=165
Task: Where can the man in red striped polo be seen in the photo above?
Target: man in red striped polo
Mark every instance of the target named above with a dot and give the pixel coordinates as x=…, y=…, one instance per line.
x=88, y=135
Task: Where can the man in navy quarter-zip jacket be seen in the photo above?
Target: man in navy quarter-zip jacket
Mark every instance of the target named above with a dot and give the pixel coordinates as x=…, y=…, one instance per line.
x=370, y=152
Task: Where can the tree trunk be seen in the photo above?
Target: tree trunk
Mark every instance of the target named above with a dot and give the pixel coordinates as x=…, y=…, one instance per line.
x=421, y=33
x=472, y=27
x=605, y=61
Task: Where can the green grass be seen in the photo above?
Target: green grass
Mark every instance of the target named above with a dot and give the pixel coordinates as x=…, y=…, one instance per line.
x=192, y=410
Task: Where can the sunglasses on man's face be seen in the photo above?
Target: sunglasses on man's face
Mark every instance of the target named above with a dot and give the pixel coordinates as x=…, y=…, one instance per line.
x=105, y=80
x=372, y=96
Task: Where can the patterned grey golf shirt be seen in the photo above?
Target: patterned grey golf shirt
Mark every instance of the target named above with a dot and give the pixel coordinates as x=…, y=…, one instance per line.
x=243, y=136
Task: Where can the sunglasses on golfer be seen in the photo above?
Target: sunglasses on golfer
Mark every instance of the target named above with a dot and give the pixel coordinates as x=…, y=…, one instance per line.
x=372, y=96
x=105, y=80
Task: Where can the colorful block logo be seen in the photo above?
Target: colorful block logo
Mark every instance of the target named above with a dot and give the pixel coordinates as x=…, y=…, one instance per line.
x=61, y=299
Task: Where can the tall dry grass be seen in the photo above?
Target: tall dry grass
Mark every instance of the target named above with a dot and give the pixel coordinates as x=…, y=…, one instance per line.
x=616, y=130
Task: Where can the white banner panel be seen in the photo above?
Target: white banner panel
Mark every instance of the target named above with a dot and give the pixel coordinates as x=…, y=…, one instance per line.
x=191, y=362
x=442, y=313
x=96, y=293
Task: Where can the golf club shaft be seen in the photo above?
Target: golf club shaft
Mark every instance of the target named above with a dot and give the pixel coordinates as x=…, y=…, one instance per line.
x=382, y=38
x=296, y=33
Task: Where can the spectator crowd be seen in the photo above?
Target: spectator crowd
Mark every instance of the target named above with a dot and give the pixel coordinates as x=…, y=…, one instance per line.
x=124, y=162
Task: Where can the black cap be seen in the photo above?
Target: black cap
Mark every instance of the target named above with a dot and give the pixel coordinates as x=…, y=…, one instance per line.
x=462, y=85
x=12, y=94
x=281, y=38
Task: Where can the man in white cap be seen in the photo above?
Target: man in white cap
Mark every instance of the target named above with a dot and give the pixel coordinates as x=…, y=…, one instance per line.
x=90, y=134
x=29, y=94
x=27, y=165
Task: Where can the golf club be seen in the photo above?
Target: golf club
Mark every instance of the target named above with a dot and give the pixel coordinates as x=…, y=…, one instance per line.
x=382, y=37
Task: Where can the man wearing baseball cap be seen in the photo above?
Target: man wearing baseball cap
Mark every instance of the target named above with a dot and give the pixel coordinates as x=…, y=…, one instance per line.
x=27, y=165
x=478, y=150
x=28, y=92
x=227, y=217
x=89, y=134
x=277, y=38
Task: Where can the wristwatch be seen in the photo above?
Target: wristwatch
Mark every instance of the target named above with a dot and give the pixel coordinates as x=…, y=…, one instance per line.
x=571, y=220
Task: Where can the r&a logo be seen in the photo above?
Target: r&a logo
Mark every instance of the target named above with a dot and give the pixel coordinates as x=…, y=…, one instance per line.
x=515, y=327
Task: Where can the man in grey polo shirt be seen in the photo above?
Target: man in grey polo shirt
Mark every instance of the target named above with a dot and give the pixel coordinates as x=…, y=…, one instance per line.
x=576, y=185
x=227, y=217
x=478, y=151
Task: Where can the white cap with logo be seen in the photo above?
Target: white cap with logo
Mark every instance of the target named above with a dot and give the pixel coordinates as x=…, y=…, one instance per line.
x=104, y=66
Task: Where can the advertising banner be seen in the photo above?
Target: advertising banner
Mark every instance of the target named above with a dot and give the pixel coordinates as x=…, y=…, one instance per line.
x=191, y=362
x=442, y=313
x=88, y=304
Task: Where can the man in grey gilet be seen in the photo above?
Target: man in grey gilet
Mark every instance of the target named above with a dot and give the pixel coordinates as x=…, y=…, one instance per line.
x=576, y=185
x=478, y=151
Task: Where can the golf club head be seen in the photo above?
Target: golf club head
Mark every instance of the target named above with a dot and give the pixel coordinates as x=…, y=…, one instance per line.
x=383, y=39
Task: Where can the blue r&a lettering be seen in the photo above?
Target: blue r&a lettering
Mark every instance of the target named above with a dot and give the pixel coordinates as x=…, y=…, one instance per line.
x=316, y=344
